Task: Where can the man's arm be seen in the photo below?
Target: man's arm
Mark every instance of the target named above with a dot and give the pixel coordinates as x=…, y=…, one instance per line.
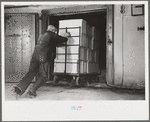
x=60, y=39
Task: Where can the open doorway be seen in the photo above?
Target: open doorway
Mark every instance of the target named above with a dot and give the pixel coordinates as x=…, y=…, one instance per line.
x=97, y=19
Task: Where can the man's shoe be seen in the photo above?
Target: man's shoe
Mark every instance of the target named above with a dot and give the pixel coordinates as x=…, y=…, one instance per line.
x=17, y=91
x=32, y=94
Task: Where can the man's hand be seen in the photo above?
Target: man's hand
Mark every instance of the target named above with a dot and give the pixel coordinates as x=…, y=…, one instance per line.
x=67, y=34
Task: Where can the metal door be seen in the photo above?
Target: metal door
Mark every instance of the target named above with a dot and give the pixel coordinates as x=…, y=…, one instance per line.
x=133, y=46
x=129, y=46
x=19, y=45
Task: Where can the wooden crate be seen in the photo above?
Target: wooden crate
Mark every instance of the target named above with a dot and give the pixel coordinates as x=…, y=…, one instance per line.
x=89, y=67
x=73, y=23
x=72, y=26
x=71, y=50
x=72, y=66
x=95, y=33
x=76, y=36
x=69, y=57
x=85, y=67
x=89, y=30
x=89, y=55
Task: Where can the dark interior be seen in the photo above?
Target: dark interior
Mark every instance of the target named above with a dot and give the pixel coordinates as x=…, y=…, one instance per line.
x=97, y=19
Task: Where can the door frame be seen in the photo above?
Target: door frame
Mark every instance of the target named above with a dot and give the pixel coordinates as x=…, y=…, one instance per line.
x=109, y=9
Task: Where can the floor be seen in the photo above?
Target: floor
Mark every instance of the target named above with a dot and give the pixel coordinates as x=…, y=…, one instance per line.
x=97, y=90
x=63, y=91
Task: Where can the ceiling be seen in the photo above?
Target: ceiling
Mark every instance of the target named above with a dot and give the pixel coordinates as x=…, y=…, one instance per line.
x=36, y=6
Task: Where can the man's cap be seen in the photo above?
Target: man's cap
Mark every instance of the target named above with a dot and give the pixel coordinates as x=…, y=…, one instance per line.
x=51, y=28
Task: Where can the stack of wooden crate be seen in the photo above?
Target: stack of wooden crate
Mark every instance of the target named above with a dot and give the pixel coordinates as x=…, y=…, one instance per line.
x=80, y=56
x=93, y=37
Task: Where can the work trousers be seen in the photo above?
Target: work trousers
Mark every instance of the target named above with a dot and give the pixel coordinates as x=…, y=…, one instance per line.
x=41, y=74
x=39, y=66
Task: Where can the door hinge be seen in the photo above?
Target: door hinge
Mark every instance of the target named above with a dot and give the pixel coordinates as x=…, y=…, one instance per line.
x=122, y=9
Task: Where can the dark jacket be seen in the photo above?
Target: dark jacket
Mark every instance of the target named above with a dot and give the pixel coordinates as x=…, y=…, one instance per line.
x=48, y=43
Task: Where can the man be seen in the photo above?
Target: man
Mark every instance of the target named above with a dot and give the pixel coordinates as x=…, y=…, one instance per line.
x=41, y=60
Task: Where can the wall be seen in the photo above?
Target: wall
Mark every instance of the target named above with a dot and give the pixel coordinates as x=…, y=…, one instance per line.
x=129, y=59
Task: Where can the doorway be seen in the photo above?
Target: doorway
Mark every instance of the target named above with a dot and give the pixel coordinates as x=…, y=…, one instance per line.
x=96, y=19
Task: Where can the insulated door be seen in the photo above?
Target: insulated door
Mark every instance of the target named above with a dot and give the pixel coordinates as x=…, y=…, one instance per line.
x=133, y=46
x=129, y=59
x=19, y=45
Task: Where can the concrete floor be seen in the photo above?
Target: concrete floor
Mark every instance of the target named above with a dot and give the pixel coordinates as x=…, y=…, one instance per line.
x=95, y=91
